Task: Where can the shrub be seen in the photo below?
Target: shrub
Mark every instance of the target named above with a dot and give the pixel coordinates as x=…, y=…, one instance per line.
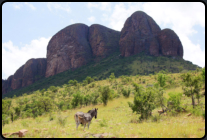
x=143, y=101
x=106, y=94
x=174, y=99
x=60, y=105
x=5, y=119
x=94, y=98
x=125, y=92
x=77, y=99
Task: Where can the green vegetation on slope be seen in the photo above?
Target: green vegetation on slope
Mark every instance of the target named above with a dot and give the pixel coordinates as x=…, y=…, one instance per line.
x=51, y=112
x=133, y=65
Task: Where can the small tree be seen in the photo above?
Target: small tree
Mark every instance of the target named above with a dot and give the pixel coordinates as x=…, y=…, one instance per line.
x=105, y=94
x=143, y=101
x=53, y=89
x=160, y=100
x=111, y=77
x=126, y=92
x=89, y=79
x=77, y=99
x=161, y=79
x=174, y=99
x=94, y=98
x=191, y=85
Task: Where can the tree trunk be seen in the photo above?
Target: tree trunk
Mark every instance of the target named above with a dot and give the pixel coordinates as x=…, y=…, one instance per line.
x=193, y=101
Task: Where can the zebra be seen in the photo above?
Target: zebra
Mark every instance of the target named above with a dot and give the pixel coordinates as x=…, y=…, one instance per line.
x=83, y=118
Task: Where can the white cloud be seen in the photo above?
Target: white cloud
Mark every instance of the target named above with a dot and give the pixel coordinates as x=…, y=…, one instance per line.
x=30, y=5
x=91, y=5
x=92, y=19
x=104, y=6
x=181, y=17
x=17, y=5
x=121, y=12
x=192, y=52
x=13, y=57
x=65, y=6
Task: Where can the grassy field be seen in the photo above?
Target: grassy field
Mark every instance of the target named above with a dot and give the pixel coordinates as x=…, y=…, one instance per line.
x=116, y=119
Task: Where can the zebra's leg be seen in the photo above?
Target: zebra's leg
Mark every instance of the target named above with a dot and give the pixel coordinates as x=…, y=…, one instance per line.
x=84, y=126
x=77, y=123
x=88, y=124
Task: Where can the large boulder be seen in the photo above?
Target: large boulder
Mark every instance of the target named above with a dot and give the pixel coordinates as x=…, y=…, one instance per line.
x=170, y=43
x=103, y=40
x=68, y=49
x=139, y=35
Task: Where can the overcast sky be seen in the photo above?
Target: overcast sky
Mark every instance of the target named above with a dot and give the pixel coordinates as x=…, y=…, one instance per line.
x=27, y=27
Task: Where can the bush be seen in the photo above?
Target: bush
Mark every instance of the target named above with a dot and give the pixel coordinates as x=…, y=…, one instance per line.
x=106, y=94
x=60, y=105
x=5, y=119
x=125, y=92
x=77, y=99
x=174, y=103
x=94, y=98
x=143, y=101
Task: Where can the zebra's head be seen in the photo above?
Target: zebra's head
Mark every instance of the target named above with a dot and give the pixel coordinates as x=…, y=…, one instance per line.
x=96, y=112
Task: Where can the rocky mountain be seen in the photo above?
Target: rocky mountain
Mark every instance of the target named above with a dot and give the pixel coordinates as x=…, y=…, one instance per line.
x=78, y=44
x=31, y=71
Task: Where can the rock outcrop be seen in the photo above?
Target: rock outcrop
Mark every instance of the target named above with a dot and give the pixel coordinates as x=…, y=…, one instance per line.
x=170, y=44
x=68, y=49
x=142, y=34
x=138, y=35
x=103, y=40
x=31, y=71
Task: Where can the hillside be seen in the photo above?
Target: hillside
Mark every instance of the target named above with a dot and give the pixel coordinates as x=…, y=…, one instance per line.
x=139, y=64
x=116, y=119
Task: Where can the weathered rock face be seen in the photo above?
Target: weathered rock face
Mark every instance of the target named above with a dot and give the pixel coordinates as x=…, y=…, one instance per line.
x=6, y=84
x=17, y=78
x=103, y=40
x=67, y=49
x=138, y=35
x=33, y=70
x=170, y=43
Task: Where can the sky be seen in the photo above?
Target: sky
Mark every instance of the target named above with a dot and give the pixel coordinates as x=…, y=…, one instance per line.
x=27, y=27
